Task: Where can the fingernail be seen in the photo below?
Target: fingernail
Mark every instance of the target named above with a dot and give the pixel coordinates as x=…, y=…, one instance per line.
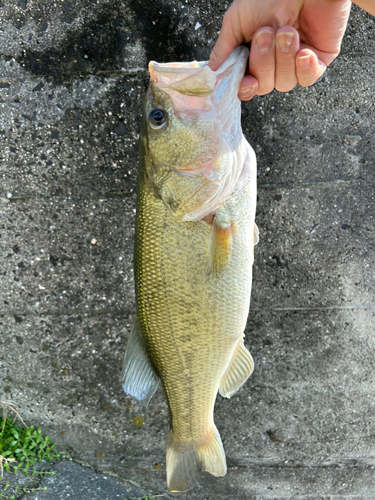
x=246, y=92
x=303, y=62
x=264, y=41
x=284, y=40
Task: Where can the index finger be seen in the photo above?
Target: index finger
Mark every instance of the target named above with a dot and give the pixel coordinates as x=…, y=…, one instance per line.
x=226, y=43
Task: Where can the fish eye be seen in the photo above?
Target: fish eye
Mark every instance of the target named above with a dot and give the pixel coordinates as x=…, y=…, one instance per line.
x=157, y=118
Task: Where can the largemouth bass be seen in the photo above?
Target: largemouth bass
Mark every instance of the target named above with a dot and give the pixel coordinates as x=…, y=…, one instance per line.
x=194, y=248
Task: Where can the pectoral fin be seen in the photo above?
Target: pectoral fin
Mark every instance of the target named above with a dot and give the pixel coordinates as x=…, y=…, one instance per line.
x=238, y=372
x=139, y=379
x=220, y=246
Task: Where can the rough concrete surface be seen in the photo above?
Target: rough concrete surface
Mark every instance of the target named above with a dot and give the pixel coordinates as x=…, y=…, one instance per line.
x=72, y=481
x=72, y=78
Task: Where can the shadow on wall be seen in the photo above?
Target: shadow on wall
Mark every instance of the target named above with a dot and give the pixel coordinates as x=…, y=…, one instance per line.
x=100, y=45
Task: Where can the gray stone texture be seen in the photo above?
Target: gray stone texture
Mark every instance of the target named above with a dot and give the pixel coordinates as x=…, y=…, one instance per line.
x=72, y=78
x=73, y=481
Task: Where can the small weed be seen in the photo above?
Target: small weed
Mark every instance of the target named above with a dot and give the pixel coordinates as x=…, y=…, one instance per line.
x=21, y=448
x=6, y=485
x=145, y=497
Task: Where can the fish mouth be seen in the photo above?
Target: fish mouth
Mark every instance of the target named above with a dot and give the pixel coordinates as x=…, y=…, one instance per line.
x=196, y=78
x=190, y=78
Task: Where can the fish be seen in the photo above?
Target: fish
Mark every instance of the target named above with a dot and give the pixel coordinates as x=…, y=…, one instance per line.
x=193, y=257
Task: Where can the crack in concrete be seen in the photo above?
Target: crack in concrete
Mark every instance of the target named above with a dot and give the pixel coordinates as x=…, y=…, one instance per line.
x=126, y=194
x=124, y=312
x=233, y=463
x=316, y=308
x=74, y=312
x=313, y=183
x=109, y=74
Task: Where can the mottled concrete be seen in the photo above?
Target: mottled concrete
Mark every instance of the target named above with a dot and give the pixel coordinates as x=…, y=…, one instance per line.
x=72, y=78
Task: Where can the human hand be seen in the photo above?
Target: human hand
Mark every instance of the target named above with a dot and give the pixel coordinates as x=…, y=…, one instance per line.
x=292, y=41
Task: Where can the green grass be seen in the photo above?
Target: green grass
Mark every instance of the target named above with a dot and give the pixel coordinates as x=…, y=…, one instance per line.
x=21, y=448
x=145, y=497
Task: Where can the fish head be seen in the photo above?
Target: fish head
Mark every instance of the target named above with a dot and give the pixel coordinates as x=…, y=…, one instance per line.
x=191, y=133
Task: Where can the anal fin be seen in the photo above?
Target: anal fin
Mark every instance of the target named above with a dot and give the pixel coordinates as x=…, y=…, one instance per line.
x=139, y=379
x=239, y=370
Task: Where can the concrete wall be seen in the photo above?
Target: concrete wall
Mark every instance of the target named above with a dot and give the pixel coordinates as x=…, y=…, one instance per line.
x=72, y=78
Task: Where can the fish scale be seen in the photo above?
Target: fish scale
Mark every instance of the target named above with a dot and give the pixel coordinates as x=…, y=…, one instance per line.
x=173, y=298
x=193, y=277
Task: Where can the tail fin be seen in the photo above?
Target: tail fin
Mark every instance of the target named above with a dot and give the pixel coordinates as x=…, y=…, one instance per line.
x=212, y=455
x=184, y=459
x=182, y=467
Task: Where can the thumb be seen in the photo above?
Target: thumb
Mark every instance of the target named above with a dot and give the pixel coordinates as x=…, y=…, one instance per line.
x=226, y=43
